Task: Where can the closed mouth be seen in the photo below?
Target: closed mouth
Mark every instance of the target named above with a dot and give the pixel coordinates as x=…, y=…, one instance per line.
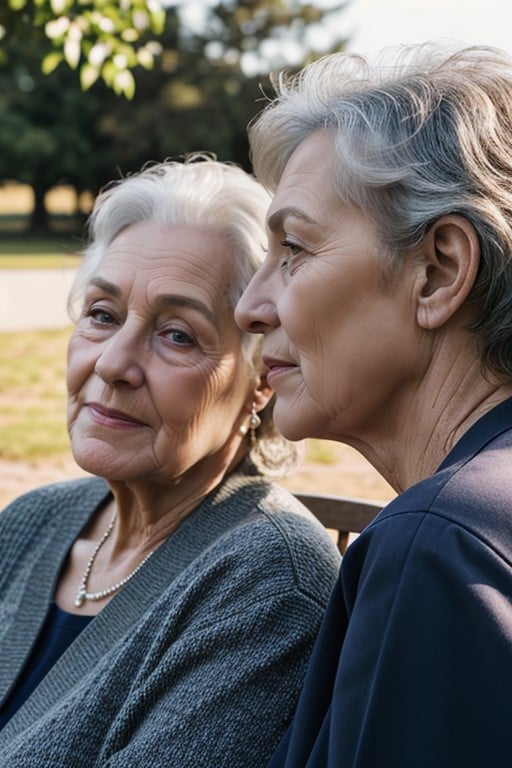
x=112, y=417
x=276, y=366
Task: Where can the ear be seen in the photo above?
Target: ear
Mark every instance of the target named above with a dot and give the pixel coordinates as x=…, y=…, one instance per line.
x=263, y=393
x=449, y=260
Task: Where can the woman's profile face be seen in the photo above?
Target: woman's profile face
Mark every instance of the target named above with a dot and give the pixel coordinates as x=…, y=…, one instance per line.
x=156, y=377
x=340, y=339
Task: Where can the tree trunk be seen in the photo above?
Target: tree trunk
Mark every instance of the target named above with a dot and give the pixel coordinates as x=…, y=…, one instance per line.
x=39, y=218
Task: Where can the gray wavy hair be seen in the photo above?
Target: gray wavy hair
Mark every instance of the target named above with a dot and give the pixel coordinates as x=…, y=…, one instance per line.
x=420, y=132
x=199, y=191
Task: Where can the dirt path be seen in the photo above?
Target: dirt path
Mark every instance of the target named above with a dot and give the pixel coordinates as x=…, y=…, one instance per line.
x=34, y=299
x=350, y=476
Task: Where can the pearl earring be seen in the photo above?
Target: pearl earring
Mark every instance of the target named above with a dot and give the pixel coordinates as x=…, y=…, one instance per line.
x=252, y=423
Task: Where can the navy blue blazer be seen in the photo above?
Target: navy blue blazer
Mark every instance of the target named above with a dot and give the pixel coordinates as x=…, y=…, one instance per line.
x=412, y=667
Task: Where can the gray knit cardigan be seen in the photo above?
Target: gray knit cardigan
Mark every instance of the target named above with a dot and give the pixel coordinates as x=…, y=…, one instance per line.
x=197, y=662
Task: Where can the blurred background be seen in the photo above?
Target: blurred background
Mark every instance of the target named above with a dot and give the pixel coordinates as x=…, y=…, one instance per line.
x=90, y=90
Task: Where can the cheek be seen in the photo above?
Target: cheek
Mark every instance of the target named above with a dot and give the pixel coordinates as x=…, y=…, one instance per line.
x=80, y=363
x=187, y=395
x=309, y=327
x=310, y=304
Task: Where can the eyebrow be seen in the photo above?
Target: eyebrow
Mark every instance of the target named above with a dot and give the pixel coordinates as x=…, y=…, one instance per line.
x=106, y=286
x=275, y=221
x=165, y=299
x=177, y=300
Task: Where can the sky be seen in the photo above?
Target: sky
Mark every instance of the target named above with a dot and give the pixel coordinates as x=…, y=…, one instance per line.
x=371, y=25
x=374, y=24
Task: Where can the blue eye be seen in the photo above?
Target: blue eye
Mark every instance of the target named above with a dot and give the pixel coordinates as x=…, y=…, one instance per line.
x=179, y=337
x=101, y=316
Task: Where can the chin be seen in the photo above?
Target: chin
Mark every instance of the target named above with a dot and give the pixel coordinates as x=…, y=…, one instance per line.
x=99, y=459
x=290, y=425
x=296, y=423
x=94, y=467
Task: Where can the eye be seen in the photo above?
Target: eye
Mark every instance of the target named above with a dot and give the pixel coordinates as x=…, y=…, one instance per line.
x=292, y=247
x=292, y=261
x=101, y=315
x=178, y=337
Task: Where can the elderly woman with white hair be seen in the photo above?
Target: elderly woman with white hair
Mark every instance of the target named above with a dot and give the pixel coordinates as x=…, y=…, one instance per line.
x=386, y=305
x=162, y=611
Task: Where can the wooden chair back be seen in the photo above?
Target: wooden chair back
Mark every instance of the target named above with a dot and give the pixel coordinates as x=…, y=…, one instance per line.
x=342, y=514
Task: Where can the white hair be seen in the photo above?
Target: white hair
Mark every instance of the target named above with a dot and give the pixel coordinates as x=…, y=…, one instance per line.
x=200, y=191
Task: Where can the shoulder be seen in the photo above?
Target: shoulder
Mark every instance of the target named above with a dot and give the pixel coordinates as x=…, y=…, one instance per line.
x=39, y=525
x=442, y=539
x=309, y=547
x=55, y=499
x=469, y=501
x=273, y=541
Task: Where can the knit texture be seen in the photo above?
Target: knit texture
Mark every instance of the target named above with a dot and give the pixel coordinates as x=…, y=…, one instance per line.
x=198, y=661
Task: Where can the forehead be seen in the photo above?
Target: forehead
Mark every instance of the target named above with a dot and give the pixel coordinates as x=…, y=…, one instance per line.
x=307, y=182
x=173, y=256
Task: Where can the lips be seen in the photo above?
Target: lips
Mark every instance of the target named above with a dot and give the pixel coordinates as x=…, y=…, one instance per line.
x=110, y=417
x=276, y=366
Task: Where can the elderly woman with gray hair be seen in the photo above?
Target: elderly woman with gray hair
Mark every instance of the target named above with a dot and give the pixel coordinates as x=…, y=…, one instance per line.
x=386, y=305
x=162, y=612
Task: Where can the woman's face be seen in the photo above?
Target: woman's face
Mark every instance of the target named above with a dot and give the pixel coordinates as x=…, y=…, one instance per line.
x=156, y=377
x=340, y=338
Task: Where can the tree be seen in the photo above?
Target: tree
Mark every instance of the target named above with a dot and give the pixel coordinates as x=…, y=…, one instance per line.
x=100, y=38
x=204, y=88
x=210, y=78
x=47, y=126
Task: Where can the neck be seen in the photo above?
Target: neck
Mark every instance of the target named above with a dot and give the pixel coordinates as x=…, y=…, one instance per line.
x=147, y=513
x=426, y=426
x=104, y=557
x=151, y=507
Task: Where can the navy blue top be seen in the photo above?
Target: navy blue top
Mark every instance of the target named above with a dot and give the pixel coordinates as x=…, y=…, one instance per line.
x=59, y=630
x=412, y=667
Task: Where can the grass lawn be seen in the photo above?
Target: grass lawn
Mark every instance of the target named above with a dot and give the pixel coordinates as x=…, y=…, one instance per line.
x=33, y=398
x=27, y=252
x=33, y=394
x=45, y=261
x=34, y=445
x=33, y=367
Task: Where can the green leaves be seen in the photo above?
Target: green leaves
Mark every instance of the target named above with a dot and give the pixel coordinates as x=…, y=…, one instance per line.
x=51, y=62
x=99, y=38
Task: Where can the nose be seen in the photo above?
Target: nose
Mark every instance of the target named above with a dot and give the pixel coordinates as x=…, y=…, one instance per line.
x=256, y=311
x=118, y=364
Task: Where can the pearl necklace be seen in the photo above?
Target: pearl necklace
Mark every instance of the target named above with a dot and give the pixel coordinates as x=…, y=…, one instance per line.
x=82, y=594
